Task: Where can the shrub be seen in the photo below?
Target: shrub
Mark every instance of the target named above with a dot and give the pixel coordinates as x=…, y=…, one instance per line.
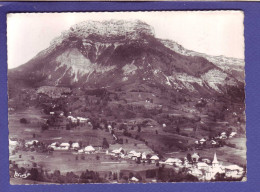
x=23, y=120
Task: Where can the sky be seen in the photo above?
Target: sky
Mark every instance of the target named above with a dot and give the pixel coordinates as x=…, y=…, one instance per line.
x=211, y=32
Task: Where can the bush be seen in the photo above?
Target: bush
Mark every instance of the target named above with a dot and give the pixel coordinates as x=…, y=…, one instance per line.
x=23, y=120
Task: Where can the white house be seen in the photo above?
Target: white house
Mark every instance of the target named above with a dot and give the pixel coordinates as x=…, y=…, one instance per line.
x=80, y=151
x=89, y=149
x=29, y=143
x=13, y=143
x=143, y=156
x=117, y=151
x=173, y=161
x=134, y=179
x=131, y=153
x=205, y=160
x=202, y=165
x=195, y=172
x=135, y=156
x=233, y=171
x=232, y=134
x=75, y=145
x=82, y=119
x=202, y=140
x=64, y=146
x=154, y=158
x=195, y=157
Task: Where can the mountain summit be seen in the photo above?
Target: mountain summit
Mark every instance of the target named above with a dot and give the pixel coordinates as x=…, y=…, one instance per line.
x=118, y=53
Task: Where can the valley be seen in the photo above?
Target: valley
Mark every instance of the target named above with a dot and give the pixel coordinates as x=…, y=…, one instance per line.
x=108, y=102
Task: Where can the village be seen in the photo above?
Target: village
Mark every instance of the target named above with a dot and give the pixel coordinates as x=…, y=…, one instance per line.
x=111, y=142
x=203, y=169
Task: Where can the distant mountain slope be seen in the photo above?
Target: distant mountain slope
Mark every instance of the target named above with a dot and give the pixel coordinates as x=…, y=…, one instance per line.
x=230, y=65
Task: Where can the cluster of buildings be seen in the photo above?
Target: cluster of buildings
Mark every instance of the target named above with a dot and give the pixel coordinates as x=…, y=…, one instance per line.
x=213, y=141
x=78, y=119
x=54, y=92
x=20, y=175
x=202, y=168
x=206, y=172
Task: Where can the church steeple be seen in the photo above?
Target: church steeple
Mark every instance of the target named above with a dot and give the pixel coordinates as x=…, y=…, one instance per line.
x=215, y=161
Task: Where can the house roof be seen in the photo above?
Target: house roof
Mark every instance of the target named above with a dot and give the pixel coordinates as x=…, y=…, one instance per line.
x=117, y=150
x=195, y=155
x=233, y=167
x=54, y=144
x=64, y=145
x=202, y=164
x=154, y=157
x=172, y=160
x=132, y=152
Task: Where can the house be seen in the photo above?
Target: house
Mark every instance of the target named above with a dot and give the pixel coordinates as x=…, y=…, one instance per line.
x=232, y=134
x=143, y=156
x=186, y=163
x=72, y=119
x=213, y=142
x=13, y=143
x=136, y=156
x=233, y=171
x=173, y=161
x=154, y=159
x=82, y=119
x=164, y=125
x=205, y=160
x=223, y=135
x=89, y=149
x=195, y=172
x=75, y=145
x=10, y=109
x=134, y=179
x=203, y=140
x=64, y=146
x=117, y=151
x=59, y=113
x=195, y=157
x=202, y=165
x=54, y=146
x=131, y=153
x=30, y=143
x=80, y=151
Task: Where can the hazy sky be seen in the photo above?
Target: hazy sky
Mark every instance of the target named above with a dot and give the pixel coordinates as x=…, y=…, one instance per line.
x=210, y=32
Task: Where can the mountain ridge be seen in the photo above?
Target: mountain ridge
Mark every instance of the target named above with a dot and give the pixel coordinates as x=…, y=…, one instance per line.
x=94, y=52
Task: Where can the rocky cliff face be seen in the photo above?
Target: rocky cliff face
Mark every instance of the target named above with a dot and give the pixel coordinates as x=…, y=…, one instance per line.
x=119, y=53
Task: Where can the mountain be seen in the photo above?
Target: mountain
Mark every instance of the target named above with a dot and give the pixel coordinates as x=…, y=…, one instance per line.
x=118, y=53
x=230, y=65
